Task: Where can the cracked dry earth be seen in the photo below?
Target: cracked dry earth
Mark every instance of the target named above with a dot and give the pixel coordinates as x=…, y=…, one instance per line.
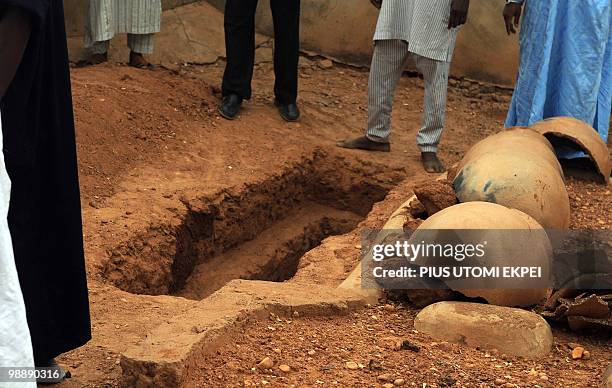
x=172, y=193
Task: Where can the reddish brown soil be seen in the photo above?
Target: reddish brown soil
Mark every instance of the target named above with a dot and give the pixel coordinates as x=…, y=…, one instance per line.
x=436, y=196
x=317, y=351
x=590, y=205
x=274, y=255
x=157, y=164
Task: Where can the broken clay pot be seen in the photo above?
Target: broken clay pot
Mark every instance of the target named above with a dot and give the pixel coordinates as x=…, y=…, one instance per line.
x=500, y=227
x=517, y=139
x=583, y=136
x=517, y=180
x=585, y=310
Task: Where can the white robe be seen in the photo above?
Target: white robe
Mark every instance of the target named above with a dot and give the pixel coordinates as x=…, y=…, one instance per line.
x=15, y=343
x=106, y=18
x=421, y=23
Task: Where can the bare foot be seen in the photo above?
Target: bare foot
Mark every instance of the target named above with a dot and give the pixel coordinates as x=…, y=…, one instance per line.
x=363, y=143
x=431, y=163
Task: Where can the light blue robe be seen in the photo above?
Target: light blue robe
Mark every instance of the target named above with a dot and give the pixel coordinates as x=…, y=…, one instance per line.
x=565, y=65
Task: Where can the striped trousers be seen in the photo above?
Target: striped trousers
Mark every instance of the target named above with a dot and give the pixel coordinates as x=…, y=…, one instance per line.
x=388, y=64
x=140, y=19
x=138, y=43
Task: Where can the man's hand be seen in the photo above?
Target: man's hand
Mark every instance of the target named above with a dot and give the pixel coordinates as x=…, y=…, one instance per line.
x=459, y=13
x=14, y=36
x=377, y=3
x=512, y=17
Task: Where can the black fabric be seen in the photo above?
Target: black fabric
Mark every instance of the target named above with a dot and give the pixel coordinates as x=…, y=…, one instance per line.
x=45, y=210
x=240, y=47
x=37, y=8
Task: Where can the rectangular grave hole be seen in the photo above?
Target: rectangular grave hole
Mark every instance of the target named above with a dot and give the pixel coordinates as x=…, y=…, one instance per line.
x=257, y=232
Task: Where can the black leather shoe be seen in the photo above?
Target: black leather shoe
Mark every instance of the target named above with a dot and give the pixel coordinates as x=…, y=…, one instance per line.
x=289, y=112
x=230, y=106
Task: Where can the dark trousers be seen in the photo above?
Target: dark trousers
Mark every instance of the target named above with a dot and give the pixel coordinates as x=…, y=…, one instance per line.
x=240, y=47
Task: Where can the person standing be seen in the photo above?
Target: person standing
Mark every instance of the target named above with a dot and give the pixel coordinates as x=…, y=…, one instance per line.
x=15, y=342
x=40, y=155
x=426, y=32
x=565, y=63
x=240, y=47
x=140, y=19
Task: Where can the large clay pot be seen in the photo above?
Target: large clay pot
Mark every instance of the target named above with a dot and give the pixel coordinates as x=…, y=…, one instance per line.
x=519, y=139
x=513, y=239
x=583, y=136
x=516, y=178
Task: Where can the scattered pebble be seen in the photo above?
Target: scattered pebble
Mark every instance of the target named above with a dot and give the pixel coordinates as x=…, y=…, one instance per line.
x=326, y=64
x=285, y=368
x=374, y=365
x=399, y=382
x=586, y=355
x=385, y=377
x=352, y=365
x=266, y=363
x=577, y=353
x=533, y=373
x=407, y=345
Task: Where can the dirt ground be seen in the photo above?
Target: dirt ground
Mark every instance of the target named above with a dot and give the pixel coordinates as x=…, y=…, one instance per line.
x=317, y=351
x=155, y=158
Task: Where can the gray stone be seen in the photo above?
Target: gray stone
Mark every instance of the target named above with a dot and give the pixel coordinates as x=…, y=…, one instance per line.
x=508, y=330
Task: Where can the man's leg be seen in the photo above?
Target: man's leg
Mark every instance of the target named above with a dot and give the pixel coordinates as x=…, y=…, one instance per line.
x=286, y=15
x=98, y=30
x=140, y=44
x=388, y=63
x=99, y=52
x=100, y=47
x=240, y=52
x=435, y=75
x=240, y=47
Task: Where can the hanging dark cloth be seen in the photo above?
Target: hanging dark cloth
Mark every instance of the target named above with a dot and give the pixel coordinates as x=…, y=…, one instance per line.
x=45, y=209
